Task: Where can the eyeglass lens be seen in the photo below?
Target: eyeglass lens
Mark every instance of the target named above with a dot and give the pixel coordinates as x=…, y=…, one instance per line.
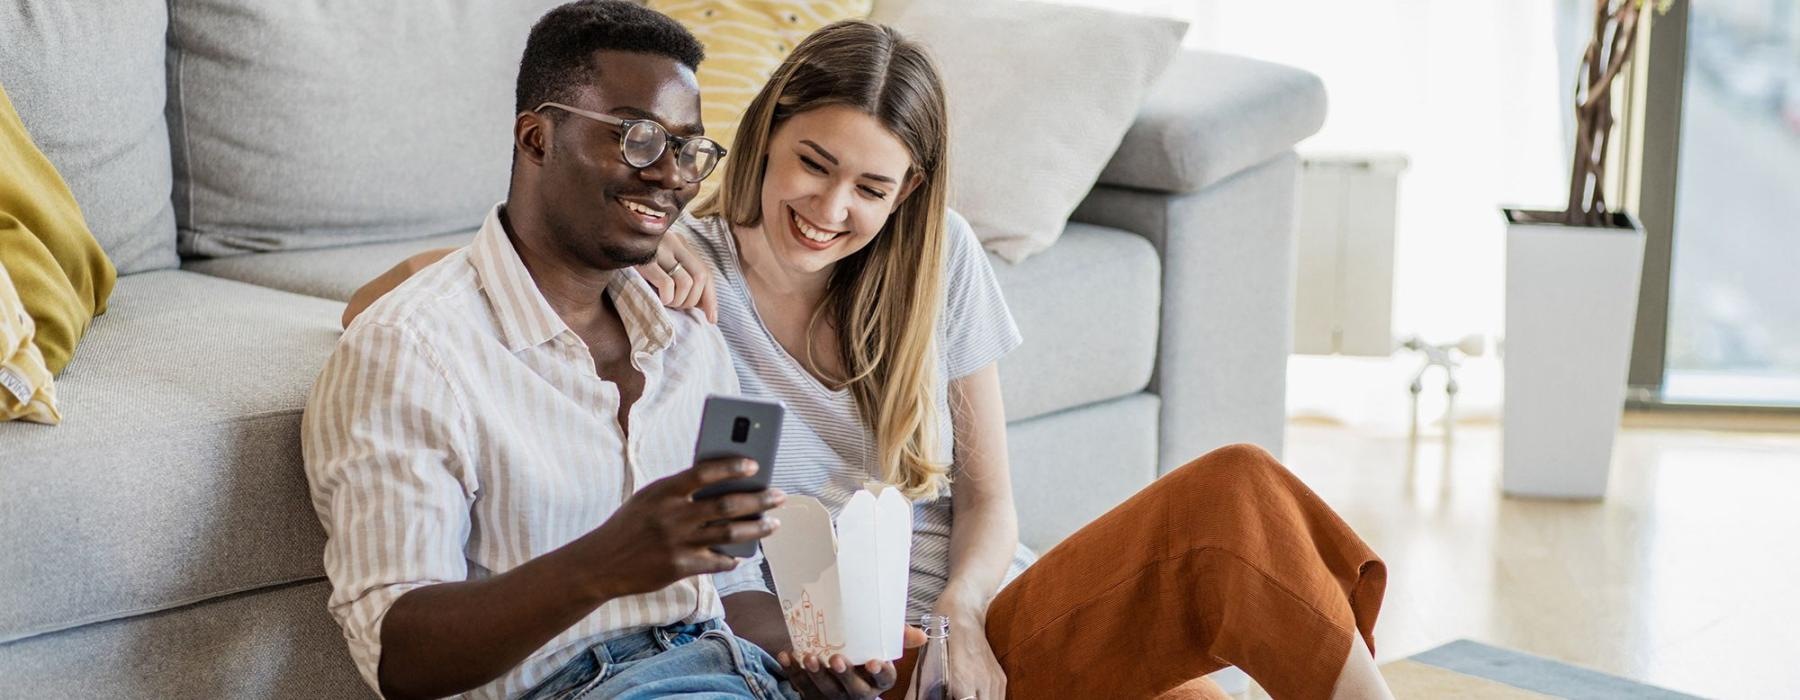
x=643, y=142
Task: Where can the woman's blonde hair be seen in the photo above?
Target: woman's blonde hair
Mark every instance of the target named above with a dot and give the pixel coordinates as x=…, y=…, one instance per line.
x=883, y=299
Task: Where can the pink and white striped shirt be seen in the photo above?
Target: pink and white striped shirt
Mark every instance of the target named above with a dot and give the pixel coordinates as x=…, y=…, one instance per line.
x=460, y=429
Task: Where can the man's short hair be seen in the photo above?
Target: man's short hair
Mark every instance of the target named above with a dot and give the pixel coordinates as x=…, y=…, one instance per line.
x=559, y=54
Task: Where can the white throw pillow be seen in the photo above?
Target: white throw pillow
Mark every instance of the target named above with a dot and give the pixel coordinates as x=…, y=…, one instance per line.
x=1040, y=97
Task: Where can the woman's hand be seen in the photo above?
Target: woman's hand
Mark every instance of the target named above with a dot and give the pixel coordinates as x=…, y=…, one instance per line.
x=387, y=281
x=974, y=671
x=682, y=279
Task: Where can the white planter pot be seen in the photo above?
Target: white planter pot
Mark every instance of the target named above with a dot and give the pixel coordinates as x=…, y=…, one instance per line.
x=1571, y=308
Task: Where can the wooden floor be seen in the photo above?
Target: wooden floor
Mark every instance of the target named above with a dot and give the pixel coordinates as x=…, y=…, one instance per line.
x=1687, y=576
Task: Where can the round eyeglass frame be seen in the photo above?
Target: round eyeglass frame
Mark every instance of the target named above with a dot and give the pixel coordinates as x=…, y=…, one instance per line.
x=625, y=127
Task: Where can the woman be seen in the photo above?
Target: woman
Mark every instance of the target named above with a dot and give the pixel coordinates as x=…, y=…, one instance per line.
x=846, y=290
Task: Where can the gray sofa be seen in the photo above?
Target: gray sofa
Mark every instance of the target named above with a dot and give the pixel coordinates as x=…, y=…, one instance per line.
x=161, y=543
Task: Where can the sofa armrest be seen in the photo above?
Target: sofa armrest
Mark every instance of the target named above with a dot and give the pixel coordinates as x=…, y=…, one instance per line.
x=1227, y=303
x=1211, y=115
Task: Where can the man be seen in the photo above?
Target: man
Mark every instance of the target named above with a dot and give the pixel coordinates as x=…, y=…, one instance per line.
x=482, y=443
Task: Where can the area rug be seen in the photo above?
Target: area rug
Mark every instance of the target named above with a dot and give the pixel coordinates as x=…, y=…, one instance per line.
x=1465, y=669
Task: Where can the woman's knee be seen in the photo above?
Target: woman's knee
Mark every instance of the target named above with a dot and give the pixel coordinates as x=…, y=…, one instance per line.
x=1241, y=464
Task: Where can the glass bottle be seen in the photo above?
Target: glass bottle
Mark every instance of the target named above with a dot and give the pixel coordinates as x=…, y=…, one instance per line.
x=931, y=676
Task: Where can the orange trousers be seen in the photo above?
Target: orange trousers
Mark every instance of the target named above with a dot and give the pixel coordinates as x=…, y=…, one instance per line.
x=1228, y=561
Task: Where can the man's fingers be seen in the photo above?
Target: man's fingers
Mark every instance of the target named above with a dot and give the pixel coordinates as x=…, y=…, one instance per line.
x=738, y=505
x=799, y=677
x=828, y=683
x=914, y=637
x=851, y=677
x=712, y=471
x=708, y=562
x=881, y=674
x=733, y=531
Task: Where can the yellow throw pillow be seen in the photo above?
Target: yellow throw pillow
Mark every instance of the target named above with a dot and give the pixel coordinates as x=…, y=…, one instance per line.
x=59, y=272
x=26, y=390
x=745, y=40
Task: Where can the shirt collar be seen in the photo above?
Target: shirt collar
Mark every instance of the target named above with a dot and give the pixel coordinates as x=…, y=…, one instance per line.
x=526, y=318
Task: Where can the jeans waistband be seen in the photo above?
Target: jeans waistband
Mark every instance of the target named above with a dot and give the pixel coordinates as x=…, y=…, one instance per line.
x=658, y=638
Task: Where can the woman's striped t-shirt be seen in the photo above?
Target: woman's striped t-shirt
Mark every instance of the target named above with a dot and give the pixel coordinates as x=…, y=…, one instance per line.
x=827, y=452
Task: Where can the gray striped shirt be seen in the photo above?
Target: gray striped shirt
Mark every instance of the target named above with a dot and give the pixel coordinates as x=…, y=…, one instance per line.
x=827, y=452
x=460, y=429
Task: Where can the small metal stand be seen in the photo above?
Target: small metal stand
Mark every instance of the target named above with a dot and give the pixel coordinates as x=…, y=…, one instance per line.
x=1448, y=356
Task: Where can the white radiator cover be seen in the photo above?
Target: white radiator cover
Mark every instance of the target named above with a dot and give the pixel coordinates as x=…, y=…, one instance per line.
x=1344, y=295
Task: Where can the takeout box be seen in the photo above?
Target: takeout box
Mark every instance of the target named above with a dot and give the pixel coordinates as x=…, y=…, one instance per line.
x=843, y=588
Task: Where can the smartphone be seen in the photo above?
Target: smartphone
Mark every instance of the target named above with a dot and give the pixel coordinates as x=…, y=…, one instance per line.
x=733, y=426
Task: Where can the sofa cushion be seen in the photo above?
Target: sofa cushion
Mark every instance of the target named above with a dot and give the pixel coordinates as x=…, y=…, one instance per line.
x=272, y=643
x=331, y=273
x=1039, y=95
x=175, y=475
x=1088, y=309
x=1212, y=115
x=306, y=124
x=87, y=80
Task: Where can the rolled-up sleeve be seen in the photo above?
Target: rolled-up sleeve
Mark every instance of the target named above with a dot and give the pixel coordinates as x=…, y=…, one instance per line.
x=381, y=436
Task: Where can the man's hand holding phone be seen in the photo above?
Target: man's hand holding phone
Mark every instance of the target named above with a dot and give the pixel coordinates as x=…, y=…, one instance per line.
x=663, y=534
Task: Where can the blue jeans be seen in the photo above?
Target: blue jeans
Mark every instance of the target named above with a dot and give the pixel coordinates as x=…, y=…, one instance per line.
x=702, y=660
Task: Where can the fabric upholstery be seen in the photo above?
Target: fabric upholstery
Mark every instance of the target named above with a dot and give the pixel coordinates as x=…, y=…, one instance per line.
x=175, y=475
x=87, y=80
x=1087, y=308
x=27, y=391
x=273, y=643
x=305, y=125
x=331, y=273
x=745, y=40
x=1227, y=303
x=1089, y=302
x=61, y=275
x=1023, y=158
x=1212, y=115
x=1071, y=466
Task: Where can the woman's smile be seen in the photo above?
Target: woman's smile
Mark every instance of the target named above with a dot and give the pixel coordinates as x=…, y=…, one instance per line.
x=809, y=235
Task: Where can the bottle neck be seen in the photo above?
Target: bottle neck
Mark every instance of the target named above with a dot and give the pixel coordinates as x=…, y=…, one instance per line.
x=935, y=626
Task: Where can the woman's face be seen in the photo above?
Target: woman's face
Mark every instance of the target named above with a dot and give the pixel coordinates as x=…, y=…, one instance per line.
x=833, y=177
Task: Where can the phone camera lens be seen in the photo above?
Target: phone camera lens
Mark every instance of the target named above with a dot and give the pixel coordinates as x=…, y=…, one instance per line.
x=740, y=430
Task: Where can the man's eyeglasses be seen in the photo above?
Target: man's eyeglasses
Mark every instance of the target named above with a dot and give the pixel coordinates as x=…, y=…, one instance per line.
x=643, y=141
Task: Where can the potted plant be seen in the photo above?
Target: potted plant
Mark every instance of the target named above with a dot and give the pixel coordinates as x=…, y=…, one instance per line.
x=1571, y=298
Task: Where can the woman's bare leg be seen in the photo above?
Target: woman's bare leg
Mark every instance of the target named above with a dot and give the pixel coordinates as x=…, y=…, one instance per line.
x=1361, y=678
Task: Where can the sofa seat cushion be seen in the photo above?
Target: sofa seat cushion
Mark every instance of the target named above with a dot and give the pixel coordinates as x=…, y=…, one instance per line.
x=331, y=273
x=1088, y=309
x=175, y=476
x=1211, y=115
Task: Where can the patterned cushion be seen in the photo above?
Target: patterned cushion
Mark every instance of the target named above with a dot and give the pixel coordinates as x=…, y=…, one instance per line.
x=745, y=40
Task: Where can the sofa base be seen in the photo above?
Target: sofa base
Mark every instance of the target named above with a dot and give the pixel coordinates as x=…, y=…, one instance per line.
x=1071, y=466
x=271, y=643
